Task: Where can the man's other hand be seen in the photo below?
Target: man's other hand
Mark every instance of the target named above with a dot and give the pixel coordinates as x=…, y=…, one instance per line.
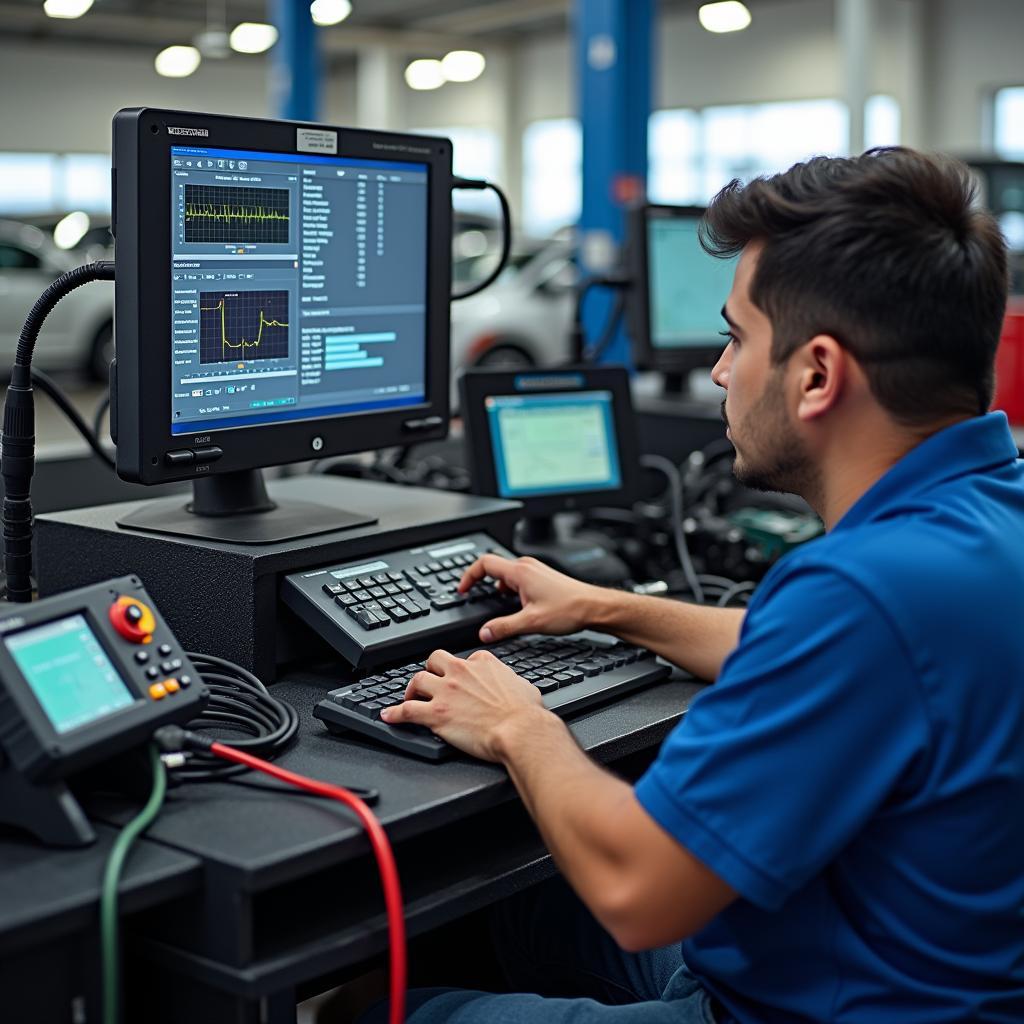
x=552, y=603
x=467, y=702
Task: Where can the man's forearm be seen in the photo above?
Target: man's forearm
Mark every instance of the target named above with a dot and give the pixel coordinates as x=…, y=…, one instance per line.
x=697, y=639
x=572, y=800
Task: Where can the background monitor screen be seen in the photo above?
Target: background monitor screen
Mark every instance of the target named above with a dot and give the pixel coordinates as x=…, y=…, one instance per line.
x=553, y=443
x=687, y=286
x=298, y=286
x=69, y=672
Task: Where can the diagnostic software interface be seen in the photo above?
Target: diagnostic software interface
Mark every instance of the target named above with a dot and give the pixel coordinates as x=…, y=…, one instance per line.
x=553, y=444
x=69, y=672
x=298, y=286
x=688, y=287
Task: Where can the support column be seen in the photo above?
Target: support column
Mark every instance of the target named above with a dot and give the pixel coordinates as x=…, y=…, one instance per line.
x=855, y=25
x=615, y=71
x=295, y=69
x=378, y=88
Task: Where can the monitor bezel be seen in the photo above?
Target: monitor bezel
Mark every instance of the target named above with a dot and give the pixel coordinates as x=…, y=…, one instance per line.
x=475, y=386
x=646, y=355
x=141, y=379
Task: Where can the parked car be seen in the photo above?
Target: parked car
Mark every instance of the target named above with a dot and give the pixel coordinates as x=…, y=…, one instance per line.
x=79, y=333
x=524, y=318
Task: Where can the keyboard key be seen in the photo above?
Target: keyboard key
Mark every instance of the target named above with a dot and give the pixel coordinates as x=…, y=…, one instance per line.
x=405, y=587
x=382, y=578
x=399, y=614
x=452, y=601
x=352, y=585
x=589, y=668
x=366, y=619
x=545, y=685
x=371, y=709
x=386, y=602
x=391, y=588
x=378, y=592
x=447, y=563
x=433, y=566
x=365, y=582
x=562, y=678
x=333, y=589
x=362, y=595
x=396, y=577
x=346, y=600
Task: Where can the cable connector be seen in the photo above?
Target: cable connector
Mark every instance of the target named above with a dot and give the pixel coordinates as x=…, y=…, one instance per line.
x=173, y=739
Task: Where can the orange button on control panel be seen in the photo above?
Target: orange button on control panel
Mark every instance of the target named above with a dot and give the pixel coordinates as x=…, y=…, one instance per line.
x=158, y=691
x=133, y=620
x=171, y=685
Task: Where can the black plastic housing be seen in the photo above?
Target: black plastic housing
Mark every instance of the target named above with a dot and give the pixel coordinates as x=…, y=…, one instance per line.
x=141, y=223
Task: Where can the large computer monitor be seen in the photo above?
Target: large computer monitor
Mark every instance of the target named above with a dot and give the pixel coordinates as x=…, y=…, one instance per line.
x=282, y=294
x=558, y=441
x=678, y=290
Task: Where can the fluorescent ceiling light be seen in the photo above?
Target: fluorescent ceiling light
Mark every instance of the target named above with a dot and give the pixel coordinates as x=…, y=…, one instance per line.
x=463, y=65
x=177, y=61
x=329, y=12
x=252, y=37
x=66, y=8
x=728, y=16
x=71, y=229
x=424, y=74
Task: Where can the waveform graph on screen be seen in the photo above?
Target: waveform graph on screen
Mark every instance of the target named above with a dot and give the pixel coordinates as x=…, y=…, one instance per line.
x=229, y=215
x=243, y=326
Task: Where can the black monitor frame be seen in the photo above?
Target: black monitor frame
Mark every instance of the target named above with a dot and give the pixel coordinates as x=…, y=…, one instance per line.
x=141, y=377
x=646, y=355
x=475, y=386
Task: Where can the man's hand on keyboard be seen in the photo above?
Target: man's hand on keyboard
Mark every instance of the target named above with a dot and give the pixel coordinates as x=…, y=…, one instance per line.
x=467, y=702
x=552, y=603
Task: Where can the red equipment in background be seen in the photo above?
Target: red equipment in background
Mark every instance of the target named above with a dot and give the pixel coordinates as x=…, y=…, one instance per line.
x=1010, y=365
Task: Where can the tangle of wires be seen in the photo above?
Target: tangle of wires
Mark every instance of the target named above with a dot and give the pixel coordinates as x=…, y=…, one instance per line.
x=239, y=702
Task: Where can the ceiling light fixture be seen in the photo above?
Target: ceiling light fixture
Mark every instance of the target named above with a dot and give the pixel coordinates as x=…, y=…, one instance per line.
x=424, y=74
x=70, y=230
x=66, y=8
x=463, y=65
x=329, y=12
x=727, y=16
x=177, y=61
x=252, y=37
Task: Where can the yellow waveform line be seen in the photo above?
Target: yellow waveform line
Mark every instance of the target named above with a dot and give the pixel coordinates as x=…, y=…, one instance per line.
x=243, y=344
x=225, y=213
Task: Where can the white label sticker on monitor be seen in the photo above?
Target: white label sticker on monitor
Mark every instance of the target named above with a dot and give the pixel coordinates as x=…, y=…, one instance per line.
x=316, y=140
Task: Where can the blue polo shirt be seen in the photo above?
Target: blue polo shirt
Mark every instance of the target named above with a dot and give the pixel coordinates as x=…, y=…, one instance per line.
x=856, y=774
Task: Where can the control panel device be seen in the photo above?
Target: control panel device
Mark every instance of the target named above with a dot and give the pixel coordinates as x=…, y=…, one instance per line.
x=84, y=676
x=399, y=604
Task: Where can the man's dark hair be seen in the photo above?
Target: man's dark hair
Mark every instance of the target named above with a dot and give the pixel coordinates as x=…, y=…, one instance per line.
x=889, y=254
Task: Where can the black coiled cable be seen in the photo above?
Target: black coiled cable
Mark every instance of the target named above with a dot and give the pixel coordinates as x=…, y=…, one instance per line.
x=239, y=702
x=18, y=455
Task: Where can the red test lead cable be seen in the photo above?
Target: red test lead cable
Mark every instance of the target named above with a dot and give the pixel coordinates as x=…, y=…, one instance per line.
x=381, y=849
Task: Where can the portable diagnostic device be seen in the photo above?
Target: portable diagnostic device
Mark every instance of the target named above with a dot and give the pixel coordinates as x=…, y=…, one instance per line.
x=84, y=676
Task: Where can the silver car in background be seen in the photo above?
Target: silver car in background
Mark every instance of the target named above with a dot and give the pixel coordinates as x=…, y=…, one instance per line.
x=79, y=333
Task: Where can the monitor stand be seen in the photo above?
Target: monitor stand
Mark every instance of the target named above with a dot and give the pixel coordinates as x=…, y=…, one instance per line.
x=235, y=507
x=583, y=555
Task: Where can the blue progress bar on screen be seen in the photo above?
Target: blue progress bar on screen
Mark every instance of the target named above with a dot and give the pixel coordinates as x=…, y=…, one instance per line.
x=360, y=339
x=352, y=362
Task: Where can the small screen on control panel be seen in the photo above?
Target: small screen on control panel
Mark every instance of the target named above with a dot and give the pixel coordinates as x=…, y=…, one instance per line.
x=69, y=672
x=552, y=444
x=298, y=286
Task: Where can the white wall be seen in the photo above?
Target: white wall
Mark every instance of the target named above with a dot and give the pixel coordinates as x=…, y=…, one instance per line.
x=940, y=58
x=59, y=99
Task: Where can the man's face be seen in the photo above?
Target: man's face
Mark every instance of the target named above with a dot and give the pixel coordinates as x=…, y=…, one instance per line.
x=770, y=453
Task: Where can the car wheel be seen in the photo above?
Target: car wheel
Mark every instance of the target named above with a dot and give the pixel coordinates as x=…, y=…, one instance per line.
x=102, y=353
x=505, y=356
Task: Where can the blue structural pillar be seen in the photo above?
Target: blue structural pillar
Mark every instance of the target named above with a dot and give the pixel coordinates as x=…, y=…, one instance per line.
x=614, y=67
x=295, y=62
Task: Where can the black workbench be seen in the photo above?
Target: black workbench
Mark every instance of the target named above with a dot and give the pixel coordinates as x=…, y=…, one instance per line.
x=239, y=898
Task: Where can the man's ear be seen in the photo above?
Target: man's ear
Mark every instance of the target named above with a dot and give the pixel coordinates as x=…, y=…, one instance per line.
x=822, y=376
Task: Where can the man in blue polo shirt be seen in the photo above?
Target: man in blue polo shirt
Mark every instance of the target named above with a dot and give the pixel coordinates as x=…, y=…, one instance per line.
x=835, y=829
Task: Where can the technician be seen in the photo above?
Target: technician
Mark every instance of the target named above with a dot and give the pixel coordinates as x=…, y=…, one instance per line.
x=834, y=829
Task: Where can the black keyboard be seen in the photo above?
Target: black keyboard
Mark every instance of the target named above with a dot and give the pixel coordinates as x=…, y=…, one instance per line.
x=572, y=672
x=398, y=604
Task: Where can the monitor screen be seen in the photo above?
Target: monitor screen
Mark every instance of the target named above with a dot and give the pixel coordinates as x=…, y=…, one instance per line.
x=69, y=672
x=550, y=444
x=298, y=286
x=687, y=286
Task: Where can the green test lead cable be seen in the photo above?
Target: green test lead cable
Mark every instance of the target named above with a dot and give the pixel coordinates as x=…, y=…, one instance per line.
x=111, y=880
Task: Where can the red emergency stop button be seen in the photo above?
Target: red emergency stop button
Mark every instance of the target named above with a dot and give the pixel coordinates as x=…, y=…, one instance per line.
x=133, y=620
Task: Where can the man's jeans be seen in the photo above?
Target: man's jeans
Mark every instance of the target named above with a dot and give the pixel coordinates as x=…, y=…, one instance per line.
x=565, y=969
